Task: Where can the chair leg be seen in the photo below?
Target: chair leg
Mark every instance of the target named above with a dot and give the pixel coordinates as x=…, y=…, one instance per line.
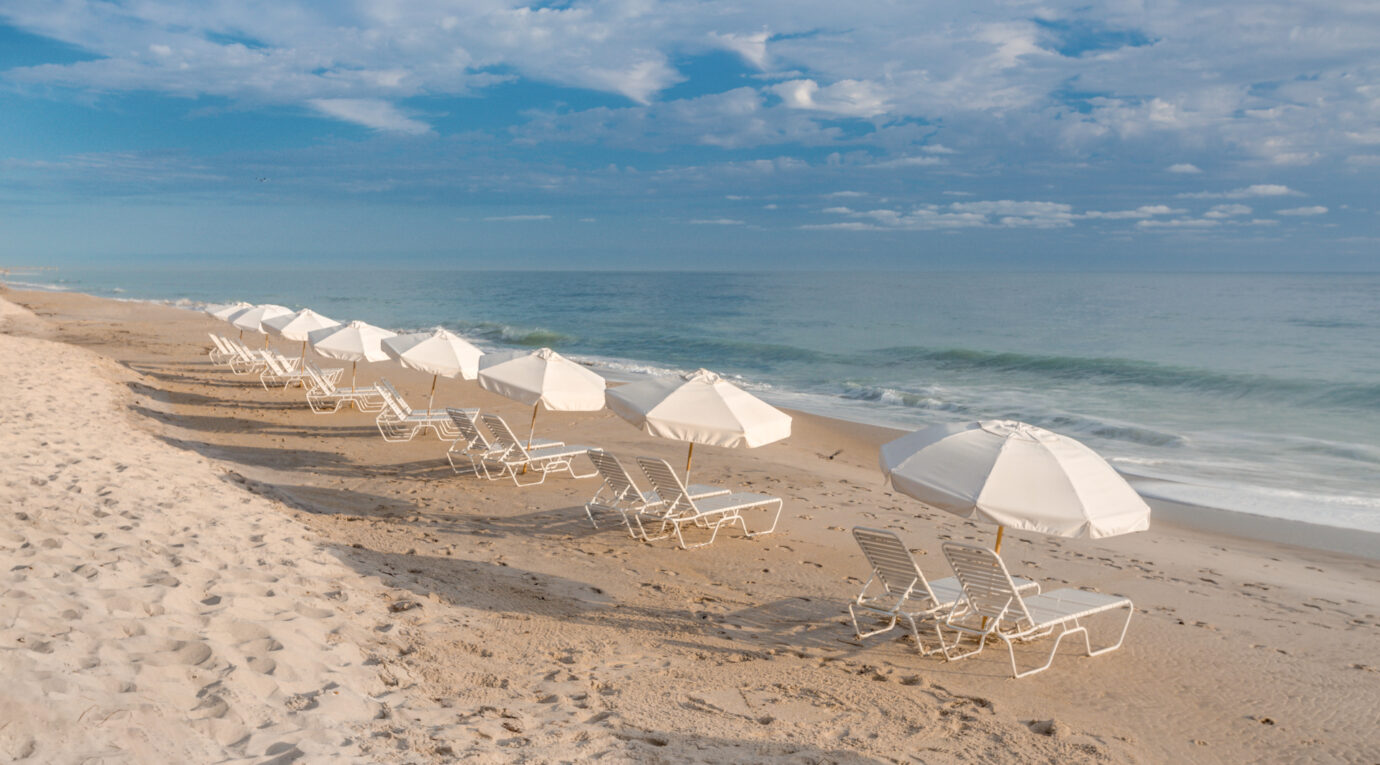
x=779, y=505
x=857, y=630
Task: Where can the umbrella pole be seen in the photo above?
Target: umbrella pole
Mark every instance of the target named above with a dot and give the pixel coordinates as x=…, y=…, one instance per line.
x=531, y=431
x=430, y=400
x=302, y=362
x=689, y=455
x=354, y=365
x=996, y=549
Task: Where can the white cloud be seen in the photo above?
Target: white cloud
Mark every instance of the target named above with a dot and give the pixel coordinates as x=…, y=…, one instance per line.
x=1363, y=160
x=1257, y=190
x=908, y=162
x=1227, y=211
x=1177, y=223
x=1144, y=211
x=718, y=222
x=371, y=113
x=1314, y=210
x=516, y=218
x=958, y=215
x=751, y=47
x=850, y=98
x=1184, y=168
x=846, y=194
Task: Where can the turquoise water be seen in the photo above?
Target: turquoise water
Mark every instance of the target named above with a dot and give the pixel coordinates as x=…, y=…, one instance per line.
x=1258, y=393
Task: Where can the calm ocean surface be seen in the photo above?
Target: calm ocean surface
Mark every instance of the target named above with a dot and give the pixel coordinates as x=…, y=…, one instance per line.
x=1258, y=393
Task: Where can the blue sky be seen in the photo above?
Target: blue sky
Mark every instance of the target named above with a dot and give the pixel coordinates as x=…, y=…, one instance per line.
x=641, y=134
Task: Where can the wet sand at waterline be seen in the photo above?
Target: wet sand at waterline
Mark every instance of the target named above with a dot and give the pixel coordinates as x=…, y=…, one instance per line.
x=201, y=570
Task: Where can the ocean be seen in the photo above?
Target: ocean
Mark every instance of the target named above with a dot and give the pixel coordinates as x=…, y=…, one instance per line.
x=1257, y=393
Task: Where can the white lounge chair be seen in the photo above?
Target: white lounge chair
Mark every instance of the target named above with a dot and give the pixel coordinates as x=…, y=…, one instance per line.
x=619, y=494
x=325, y=397
x=244, y=360
x=400, y=422
x=711, y=512
x=992, y=607
x=508, y=456
x=282, y=369
x=473, y=445
x=220, y=353
x=898, y=589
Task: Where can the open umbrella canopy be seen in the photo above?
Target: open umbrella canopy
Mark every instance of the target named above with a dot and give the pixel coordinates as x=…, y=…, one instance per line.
x=1017, y=475
x=252, y=319
x=356, y=341
x=295, y=326
x=543, y=377
x=437, y=352
x=223, y=311
x=700, y=407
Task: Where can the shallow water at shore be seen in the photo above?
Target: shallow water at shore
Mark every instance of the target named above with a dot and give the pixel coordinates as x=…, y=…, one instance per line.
x=1249, y=392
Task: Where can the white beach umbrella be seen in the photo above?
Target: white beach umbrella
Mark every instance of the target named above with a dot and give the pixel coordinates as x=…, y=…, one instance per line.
x=542, y=378
x=295, y=326
x=1013, y=474
x=354, y=342
x=223, y=310
x=253, y=318
x=700, y=407
x=234, y=311
x=439, y=351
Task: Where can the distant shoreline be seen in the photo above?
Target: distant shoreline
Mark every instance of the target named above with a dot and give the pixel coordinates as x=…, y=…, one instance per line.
x=1203, y=517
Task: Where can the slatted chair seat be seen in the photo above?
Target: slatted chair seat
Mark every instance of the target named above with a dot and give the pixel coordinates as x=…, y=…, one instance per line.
x=992, y=607
x=897, y=588
x=680, y=509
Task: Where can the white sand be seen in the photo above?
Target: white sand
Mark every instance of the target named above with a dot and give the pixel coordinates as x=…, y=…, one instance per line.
x=489, y=623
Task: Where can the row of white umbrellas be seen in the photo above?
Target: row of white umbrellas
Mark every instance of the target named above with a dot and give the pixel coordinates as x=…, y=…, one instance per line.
x=999, y=471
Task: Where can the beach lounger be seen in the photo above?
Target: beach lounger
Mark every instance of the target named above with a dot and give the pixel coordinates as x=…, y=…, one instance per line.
x=220, y=353
x=898, y=589
x=399, y=422
x=711, y=513
x=281, y=369
x=619, y=494
x=244, y=360
x=509, y=456
x=992, y=607
x=325, y=397
x=473, y=445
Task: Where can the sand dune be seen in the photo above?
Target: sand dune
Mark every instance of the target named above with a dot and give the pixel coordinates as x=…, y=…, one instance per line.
x=199, y=570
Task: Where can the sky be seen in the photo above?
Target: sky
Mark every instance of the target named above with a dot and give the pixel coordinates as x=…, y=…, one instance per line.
x=680, y=134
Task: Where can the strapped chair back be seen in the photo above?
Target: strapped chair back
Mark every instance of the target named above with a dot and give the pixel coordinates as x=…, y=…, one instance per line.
x=616, y=478
x=504, y=440
x=892, y=564
x=393, y=399
x=318, y=378
x=666, y=484
x=987, y=585
x=469, y=431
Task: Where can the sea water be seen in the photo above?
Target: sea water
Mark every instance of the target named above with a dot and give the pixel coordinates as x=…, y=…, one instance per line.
x=1251, y=392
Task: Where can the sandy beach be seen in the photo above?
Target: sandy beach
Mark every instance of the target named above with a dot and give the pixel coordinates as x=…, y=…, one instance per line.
x=200, y=570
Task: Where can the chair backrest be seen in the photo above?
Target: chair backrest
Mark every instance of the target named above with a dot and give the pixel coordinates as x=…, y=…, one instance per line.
x=614, y=474
x=504, y=440
x=987, y=586
x=241, y=349
x=464, y=422
x=666, y=483
x=892, y=563
x=318, y=378
x=395, y=400
x=218, y=342
x=275, y=363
